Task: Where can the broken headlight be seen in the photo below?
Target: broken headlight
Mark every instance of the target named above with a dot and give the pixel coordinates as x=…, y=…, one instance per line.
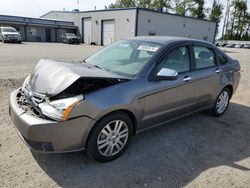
x=60, y=109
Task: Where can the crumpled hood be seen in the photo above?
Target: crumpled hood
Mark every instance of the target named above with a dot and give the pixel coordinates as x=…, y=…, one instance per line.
x=52, y=77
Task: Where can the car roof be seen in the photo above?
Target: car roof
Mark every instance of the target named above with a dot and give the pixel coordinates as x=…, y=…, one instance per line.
x=164, y=39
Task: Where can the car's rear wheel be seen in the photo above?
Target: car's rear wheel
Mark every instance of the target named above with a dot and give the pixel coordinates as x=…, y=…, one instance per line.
x=221, y=103
x=110, y=137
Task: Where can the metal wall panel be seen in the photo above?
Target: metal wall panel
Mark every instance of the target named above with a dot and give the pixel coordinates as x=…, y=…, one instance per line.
x=148, y=23
x=108, y=32
x=154, y=23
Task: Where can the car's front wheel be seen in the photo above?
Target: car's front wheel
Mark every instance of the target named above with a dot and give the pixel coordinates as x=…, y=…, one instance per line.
x=221, y=102
x=110, y=137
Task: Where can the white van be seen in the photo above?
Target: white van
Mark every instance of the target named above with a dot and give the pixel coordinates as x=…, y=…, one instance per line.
x=9, y=34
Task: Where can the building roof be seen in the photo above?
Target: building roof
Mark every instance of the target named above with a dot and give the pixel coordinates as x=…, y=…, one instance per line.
x=35, y=21
x=131, y=8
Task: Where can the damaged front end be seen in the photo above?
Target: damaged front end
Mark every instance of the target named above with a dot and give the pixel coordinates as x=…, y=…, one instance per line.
x=38, y=97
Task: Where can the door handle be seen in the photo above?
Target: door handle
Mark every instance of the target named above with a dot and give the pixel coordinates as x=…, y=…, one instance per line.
x=186, y=78
x=218, y=70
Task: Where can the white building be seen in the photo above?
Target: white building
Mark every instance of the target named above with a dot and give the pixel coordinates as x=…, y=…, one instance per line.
x=103, y=27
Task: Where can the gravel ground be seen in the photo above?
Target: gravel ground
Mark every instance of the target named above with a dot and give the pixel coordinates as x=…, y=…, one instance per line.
x=198, y=151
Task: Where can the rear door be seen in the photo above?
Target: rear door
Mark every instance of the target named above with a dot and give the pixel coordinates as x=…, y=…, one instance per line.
x=206, y=74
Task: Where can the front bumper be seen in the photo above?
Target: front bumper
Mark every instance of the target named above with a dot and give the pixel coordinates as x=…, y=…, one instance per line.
x=43, y=135
x=73, y=40
x=12, y=39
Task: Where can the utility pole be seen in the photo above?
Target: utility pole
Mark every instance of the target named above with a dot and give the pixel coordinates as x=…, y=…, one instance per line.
x=78, y=4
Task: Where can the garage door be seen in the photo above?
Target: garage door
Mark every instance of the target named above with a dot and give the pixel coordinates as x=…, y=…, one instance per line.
x=87, y=30
x=108, y=32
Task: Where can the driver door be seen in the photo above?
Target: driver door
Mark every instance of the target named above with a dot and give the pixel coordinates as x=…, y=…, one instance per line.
x=168, y=99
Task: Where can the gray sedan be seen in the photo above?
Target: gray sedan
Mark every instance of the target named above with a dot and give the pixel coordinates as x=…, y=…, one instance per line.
x=128, y=87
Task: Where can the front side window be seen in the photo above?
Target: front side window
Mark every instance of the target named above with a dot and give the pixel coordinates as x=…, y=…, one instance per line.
x=204, y=57
x=177, y=59
x=125, y=57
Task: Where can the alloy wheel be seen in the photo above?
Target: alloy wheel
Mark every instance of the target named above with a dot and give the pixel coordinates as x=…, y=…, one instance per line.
x=112, y=138
x=222, y=102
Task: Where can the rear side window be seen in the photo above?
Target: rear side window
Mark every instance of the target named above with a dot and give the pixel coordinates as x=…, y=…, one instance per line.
x=204, y=57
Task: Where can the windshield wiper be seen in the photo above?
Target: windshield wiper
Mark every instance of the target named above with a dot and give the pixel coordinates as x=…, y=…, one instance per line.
x=98, y=67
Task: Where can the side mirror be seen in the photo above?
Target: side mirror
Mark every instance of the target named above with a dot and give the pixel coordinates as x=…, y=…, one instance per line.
x=166, y=74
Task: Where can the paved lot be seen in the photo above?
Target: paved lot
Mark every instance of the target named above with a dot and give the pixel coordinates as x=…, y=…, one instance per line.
x=199, y=151
x=23, y=58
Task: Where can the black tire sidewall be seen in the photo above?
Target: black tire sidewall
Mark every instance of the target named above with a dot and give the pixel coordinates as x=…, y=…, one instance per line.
x=92, y=148
x=215, y=112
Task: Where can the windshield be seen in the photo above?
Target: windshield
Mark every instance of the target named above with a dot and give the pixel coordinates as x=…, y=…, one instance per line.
x=9, y=29
x=70, y=34
x=125, y=57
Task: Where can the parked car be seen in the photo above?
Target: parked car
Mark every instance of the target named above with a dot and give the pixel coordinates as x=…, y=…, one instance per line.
x=230, y=45
x=130, y=86
x=9, y=34
x=223, y=44
x=70, y=38
x=217, y=43
x=239, y=45
x=220, y=43
x=246, y=46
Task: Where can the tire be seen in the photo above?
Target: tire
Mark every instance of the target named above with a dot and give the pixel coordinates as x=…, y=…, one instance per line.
x=224, y=97
x=112, y=145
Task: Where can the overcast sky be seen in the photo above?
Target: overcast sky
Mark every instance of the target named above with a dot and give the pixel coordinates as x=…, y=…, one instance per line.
x=36, y=8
